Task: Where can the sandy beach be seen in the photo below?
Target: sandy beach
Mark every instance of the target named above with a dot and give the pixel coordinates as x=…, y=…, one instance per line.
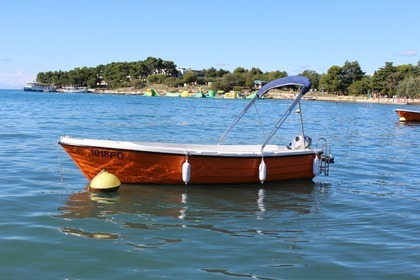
x=342, y=98
x=316, y=96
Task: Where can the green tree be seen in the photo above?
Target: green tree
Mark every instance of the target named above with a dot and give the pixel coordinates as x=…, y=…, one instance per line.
x=115, y=74
x=269, y=76
x=234, y=79
x=249, y=79
x=409, y=87
x=137, y=83
x=156, y=79
x=170, y=68
x=385, y=79
x=92, y=82
x=360, y=87
x=210, y=73
x=330, y=81
x=256, y=71
x=190, y=77
x=240, y=70
x=313, y=76
x=201, y=81
x=349, y=73
x=221, y=73
x=408, y=70
x=153, y=65
x=172, y=82
x=219, y=84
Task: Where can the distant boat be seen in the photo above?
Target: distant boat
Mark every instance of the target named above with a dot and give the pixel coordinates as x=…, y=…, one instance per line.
x=38, y=87
x=175, y=163
x=408, y=115
x=75, y=89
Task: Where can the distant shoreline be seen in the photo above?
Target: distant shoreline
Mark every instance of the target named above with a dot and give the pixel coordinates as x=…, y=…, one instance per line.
x=360, y=99
x=396, y=101
x=315, y=96
x=291, y=95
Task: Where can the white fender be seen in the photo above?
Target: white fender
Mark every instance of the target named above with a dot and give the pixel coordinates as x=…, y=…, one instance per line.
x=315, y=166
x=262, y=174
x=186, y=172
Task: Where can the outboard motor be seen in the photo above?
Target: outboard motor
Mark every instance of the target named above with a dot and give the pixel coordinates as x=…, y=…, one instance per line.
x=301, y=143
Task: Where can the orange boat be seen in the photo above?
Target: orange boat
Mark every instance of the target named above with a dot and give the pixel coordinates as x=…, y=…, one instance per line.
x=408, y=115
x=170, y=163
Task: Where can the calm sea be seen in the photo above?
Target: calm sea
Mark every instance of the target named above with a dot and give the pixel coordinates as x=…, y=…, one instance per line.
x=361, y=222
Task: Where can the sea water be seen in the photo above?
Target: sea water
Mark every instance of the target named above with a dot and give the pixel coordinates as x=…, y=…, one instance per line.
x=361, y=222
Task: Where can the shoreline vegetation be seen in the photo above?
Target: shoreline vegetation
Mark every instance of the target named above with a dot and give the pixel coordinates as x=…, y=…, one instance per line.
x=276, y=94
x=347, y=83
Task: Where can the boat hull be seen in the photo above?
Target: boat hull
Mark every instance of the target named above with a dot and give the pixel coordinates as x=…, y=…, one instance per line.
x=32, y=89
x=74, y=90
x=409, y=115
x=145, y=167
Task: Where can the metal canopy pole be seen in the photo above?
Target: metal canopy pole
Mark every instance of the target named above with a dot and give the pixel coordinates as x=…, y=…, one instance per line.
x=281, y=121
x=222, y=138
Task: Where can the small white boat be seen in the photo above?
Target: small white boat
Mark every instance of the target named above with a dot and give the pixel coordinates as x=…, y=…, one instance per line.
x=75, y=89
x=38, y=87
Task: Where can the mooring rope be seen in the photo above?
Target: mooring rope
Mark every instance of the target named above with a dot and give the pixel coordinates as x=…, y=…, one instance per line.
x=61, y=176
x=59, y=165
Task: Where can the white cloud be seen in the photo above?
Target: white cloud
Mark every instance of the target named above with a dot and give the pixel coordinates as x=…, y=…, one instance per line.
x=407, y=53
x=15, y=80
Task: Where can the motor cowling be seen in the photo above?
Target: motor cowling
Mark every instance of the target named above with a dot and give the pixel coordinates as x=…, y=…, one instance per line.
x=301, y=143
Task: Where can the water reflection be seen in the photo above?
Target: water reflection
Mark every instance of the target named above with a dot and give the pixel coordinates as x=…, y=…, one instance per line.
x=260, y=203
x=87, y=234
x=246, y=211
x=407, y=123
x=196, y=202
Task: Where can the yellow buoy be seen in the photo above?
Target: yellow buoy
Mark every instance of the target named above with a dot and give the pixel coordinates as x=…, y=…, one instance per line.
x=104, y=182
x=402, y=119
x=297, y=111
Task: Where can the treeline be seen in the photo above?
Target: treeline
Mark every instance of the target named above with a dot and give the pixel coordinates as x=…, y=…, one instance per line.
x=349, y=79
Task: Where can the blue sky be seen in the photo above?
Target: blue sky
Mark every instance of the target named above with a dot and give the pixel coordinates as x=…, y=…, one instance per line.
x=291, y=36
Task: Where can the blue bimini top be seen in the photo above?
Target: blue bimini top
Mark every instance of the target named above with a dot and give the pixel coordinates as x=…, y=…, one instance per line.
x=286, y=81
